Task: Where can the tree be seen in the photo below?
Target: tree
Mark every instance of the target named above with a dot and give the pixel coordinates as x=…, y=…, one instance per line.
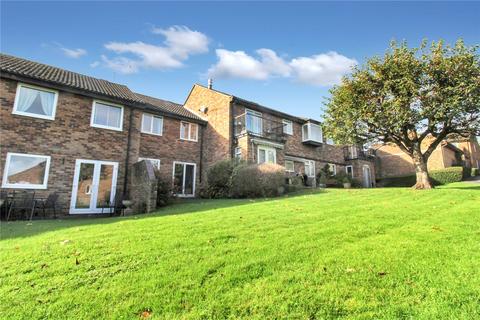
x=412, y=97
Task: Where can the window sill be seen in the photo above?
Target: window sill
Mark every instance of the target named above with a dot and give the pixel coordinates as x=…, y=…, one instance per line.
x=33, y=115
x=106, y=127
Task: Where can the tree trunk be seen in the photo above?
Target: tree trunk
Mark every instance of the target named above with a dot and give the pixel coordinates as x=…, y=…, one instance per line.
x=423, y=180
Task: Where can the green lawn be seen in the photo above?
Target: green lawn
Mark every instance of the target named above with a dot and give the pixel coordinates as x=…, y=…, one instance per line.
x=354, y=254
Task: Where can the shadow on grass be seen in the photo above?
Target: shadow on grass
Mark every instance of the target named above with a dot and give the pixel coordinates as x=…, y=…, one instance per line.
x=23, y=229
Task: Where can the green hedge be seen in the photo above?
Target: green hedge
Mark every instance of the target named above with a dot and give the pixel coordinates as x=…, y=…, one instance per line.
x=438, y=177
x=475, y=172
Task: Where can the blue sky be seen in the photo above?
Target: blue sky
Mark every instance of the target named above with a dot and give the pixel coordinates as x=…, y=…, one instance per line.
x=283, y=55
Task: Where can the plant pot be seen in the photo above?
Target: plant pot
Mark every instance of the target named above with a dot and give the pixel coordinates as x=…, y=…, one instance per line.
x=347, y=185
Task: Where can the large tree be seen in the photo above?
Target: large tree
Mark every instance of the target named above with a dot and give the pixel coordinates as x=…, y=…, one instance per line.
x=412, y=97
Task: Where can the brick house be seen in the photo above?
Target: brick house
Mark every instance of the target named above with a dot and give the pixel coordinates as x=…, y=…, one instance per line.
x=391, y=161
x=80, y=137
x=238, y=128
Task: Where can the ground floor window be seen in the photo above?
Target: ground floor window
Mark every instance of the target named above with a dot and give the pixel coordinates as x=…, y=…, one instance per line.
x=155, y=162
x=266, y=155
x=349, y=171
x=184, y=178
x=289, y=166
x=333, y=169
x=26, y=171
x=310, y=168
x=238, y=153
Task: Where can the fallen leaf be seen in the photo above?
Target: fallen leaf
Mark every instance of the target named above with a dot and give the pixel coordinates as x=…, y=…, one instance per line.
x=382, y=273
x=350, y=270
x=64, y=242
x=77, y=262
x=146, y=313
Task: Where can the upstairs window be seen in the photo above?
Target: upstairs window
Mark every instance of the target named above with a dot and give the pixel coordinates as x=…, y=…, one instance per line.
x=152, y=124
x=332, y=168
x=107, y=116
x=289, y=166
x=287, y=126
x=26, y=171
x=35, y=102
x=188, y=131
x=254, y=122
x=312, y=132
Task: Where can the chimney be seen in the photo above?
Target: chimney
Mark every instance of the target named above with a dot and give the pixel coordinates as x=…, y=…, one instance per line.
x=210, y=83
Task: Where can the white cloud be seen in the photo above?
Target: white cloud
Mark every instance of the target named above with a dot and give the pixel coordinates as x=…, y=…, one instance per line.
x=180, y=42
x=94, y=64
x=320, y=70
x=74, y=53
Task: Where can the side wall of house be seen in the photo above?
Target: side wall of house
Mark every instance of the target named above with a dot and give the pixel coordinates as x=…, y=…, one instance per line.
x=217, y=138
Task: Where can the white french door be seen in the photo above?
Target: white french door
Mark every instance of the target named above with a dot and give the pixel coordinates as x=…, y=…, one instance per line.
x=94, y=185
x=184, y=174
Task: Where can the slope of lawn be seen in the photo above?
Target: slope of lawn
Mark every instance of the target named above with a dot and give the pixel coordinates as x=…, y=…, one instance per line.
x=353, y=254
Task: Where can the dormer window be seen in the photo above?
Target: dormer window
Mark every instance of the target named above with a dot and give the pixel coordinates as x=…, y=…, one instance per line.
x=312, y=133
x=35, y=102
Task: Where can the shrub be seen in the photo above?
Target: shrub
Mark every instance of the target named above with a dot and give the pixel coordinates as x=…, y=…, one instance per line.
x=218, y=180
x=164, y=192
x=475, y=172
x=438, y=177
x=448, y=175
x=257, y=180
x=294, y=183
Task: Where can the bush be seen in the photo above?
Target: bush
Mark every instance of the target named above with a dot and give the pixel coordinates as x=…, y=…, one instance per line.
x=437, y=177
x=257, y=180
x=475, y=172
x=164, y=192
x=218, y=180
x=448, y=175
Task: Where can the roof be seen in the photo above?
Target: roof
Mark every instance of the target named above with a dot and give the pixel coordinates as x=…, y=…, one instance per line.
x=260, y=107
x=39, y=71
x=169, y=107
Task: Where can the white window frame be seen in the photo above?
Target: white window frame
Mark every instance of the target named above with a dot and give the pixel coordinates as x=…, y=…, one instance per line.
x=309, y=126
x=183, y=195
x=293, y=165
x=151, y=125
x=155, y=162
x=92, y=124
x=286, y=123
x=266, y=149
x=5, y=183
x=312, y=164
x=255, y=114
x=238, y=153
x=334, y=167
x=34, y=115
x=189, y=131
x=346, y=170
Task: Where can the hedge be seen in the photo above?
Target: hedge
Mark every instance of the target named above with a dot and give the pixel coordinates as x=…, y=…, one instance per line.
x=475, y=172
x=438, y=177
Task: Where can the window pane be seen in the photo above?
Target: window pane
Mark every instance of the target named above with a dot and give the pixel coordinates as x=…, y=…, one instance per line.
x=114, y=114
x=271, y=156
x=105, y=185
x=261, y=156
x=147, y=123
x=101, y=115
x=157, y=125
x=106, y=115
x=287, y=127
x=305, y=132
x=36, y=101
x=183, y=130
x=289, y=166
x=85, y=181
x=178, y=178
x=193, y=131
x=189, y=177
x=26, y=170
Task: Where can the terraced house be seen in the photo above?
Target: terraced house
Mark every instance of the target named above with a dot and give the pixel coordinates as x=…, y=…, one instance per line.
x=80, y=136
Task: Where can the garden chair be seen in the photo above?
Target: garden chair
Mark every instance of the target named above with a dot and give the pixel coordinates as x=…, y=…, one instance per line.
x=49, y=203
x=25, y=202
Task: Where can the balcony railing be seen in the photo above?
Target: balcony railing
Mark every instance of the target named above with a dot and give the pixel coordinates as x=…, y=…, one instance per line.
x=249, y=123
x=357, y=153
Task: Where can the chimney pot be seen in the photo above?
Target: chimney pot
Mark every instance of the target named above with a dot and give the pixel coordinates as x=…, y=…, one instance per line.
x=210, y=83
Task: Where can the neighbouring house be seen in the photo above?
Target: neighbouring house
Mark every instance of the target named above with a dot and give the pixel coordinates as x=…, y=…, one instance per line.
x=81, y=137
x=391, y=161
x=238, y=128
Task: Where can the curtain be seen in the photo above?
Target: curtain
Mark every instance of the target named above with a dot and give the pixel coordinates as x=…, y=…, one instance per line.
x=26, y=98
x=47, y=102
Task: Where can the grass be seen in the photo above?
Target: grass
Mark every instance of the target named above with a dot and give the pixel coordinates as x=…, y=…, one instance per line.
x=355, y=254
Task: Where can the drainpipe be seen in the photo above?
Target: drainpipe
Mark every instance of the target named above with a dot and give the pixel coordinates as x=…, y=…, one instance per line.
x=201, y=153
x=127, y=157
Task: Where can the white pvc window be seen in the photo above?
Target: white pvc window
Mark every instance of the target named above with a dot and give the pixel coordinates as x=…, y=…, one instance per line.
x=35, y=102
x=254, y=122
x=310, y=168
x=152, y=124
x=332, y=168
x=26, y=171
x=289, y=166
x=155, y=162
x=107, y=115
x=349, y=171
x=238, y=153
x=266, y=155
x=287, y=126
x=184, y=174
x=312, y=132
x=188, y=131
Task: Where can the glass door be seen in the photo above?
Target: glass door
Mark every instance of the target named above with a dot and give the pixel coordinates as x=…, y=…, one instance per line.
x=184, y=179
x=94, y=185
